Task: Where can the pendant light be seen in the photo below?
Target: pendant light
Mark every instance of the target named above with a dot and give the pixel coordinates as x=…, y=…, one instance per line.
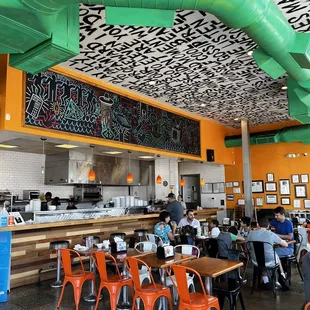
x=182, y=181
x=158, y=179
x=202, y=182
x=43, y=154
x=92, y=173
x=129, y=175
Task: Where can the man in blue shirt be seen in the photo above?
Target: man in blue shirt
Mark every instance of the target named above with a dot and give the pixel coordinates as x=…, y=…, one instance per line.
x=284, y=229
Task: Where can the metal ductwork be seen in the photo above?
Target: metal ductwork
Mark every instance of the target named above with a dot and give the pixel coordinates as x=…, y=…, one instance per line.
x=288, y=135
x=26, y=25
x=72, y=167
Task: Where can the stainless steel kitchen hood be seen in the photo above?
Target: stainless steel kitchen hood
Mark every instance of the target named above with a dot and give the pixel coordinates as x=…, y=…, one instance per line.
x=72, y=167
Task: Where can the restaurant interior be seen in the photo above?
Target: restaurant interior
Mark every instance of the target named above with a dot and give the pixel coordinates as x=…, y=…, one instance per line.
x=154, y=154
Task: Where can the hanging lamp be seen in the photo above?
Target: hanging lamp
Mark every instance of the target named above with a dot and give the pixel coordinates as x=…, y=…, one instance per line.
x=158, y=179
x=129, y=175
x=92, y=173
x=43, y=154
x=202, y=182
x=182, y=181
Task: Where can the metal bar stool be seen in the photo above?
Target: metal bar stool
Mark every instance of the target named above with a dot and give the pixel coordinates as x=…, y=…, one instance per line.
x=55, y=246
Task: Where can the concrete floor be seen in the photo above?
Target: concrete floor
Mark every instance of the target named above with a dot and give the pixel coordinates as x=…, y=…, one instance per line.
x=33, y=297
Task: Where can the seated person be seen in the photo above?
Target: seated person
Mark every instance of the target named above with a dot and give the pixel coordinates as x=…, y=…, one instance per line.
x=226, y=239
x=245, y=226
x=306, y=266
x=254, y=226
x=284, y=229
x=189, y=220
x=214, y=229
x=71, y=205
x=163, y=229
x=263, y=235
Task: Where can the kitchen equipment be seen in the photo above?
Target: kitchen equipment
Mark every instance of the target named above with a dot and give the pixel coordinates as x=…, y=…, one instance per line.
x=117, y=202
x=127, y=201
x=87, y=193
x=36, y=204
x=132, y=201
x=31, y=194
x=122, y=201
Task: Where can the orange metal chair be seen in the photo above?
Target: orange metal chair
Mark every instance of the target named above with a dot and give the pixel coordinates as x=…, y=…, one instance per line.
x=189, y=301
x=76, y=278
x=150, y=292
x=113, y=283
x=307, y=306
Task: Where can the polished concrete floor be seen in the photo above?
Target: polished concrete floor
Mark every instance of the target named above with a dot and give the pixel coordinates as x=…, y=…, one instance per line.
x=33, y=297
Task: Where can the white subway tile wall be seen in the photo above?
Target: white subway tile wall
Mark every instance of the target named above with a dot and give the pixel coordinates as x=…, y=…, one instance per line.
x=22, y=171
x=211, y=173
x=164, y=169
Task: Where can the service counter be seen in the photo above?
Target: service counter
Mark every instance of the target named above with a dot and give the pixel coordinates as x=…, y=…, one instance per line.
x=30, y=243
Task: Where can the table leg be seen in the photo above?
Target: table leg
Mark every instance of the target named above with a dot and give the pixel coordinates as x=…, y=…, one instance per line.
x=163, y=278
x=208, y=285
x=125, y=304
x=92, y=296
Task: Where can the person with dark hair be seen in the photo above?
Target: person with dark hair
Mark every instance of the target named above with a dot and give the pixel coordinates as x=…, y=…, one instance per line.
x=48, y=198
x=71, y=205
x=284, y=229
x=189, y=220
x=263, y=235
x=214, y=228
x=174, y=208
x=163, y=229
x=181, y=201
x=245, y=228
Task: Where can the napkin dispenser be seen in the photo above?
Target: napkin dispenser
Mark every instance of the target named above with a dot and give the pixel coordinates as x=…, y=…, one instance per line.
x=164, y=252
x=118, y=246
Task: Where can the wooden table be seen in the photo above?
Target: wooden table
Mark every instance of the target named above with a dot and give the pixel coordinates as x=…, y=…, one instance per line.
x=152, y=261
x=212, y=268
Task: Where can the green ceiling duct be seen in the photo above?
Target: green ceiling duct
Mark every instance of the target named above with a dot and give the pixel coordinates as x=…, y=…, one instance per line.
x=27, y=24
x=288, y=135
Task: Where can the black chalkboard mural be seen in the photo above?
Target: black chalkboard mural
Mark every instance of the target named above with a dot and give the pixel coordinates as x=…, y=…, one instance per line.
x=57, y=102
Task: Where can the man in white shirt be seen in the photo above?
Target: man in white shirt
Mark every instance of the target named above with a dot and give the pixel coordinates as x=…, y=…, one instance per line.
x=215, y=231
x=189, y=220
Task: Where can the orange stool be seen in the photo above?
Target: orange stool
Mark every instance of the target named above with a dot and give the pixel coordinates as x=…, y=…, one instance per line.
x=76, y=278
x=307, y=306
x=149, y=293
x=189, y=301
x=112, y=283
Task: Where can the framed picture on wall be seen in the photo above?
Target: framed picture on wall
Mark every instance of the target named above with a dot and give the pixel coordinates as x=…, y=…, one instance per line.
x=241, y=202
x=236, y=190
x=296, y=203
x=259, y=202
x=207, y=188
x=257, y=186
x=271, y=186
x=230, y=197
x=270, y=177
x=304, y=178
x=271, y=199
x=218, y=188
x=307, y=203
x=295, y=178
x=236, y=183
x=285, y=201
x=229, y=184
x=300, y=191
x=285, y=187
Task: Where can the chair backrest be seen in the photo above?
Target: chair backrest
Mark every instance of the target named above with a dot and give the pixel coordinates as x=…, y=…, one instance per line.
x=153, y=238
x=224, y=243
x=213, y=248
x=133, y=265
x=307, y=306
x=180, y=273
x=187, y=249
x=304, y=234
x=66, y=257
x=146, y=246
x=262, y=253
x=100, y=261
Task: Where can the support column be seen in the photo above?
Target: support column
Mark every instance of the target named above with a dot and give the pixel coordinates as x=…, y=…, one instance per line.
x=247, y=171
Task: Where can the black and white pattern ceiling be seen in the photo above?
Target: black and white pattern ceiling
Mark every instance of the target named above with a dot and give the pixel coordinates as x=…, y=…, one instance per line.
x=199, y=65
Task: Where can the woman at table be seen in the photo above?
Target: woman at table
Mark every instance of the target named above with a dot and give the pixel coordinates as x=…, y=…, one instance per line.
x=163, y=229
x=182, y=202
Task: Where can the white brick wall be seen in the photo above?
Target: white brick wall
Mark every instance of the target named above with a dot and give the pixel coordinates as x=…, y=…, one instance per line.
x=211, y=173
x=19, y=171
x=162, y=169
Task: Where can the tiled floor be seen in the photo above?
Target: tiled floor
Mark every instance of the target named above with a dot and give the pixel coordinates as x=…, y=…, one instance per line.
x=32, y=297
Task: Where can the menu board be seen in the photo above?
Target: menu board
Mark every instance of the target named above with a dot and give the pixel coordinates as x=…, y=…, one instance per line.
x=56, y=102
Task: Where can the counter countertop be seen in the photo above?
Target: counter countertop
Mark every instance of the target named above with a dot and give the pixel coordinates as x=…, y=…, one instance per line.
x=90, y=221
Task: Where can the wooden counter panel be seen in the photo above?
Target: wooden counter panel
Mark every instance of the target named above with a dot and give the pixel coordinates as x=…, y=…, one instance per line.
x=30, y=243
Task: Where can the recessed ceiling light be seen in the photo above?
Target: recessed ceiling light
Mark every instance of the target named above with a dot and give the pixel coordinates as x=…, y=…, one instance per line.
x=66, y=146
x=236, y=119
x=250, y=53
x=112, y=152
x=152, y=82
x=284, y=87
x=203, y=105
x=146, y=157
x=7, y=146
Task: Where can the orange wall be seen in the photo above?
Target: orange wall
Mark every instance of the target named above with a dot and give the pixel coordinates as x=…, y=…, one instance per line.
x=271, y=159
x=212, y=134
